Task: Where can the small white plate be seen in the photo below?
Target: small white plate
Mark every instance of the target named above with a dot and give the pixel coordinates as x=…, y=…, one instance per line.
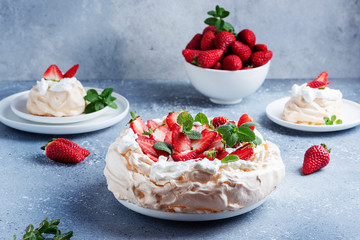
x=109, y=118
x=350, y=117
x=18, y=106
x=189, y=216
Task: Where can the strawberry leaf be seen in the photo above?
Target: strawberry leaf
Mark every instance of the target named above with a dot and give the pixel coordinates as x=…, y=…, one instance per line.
x=163, y=146
x=230, y=158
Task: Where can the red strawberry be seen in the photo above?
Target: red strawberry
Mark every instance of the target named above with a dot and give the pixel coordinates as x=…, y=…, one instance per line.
x=53, y=73
x=259, y=47
x=137, y=125
x=315, y=157
x=246, y=36
x=320, y=82
x=194, y=42
x=223, y=40
x=217, y=66
x=168, y=137
x=232, y=62
x=72, y=71
x=248, y=67
x=159, y=134
x=244, y=119
x=207, y=41
x=202, y=144
x=242, y=50
x=184, y=156
x=210, y=28
x=171, y=119
x=245, y=152
x=222, y=155
x=207, y=59
x=180, y=141
x=260, y=58
x=189, y=54
x=218, y=121
x=65, y=151
x=217, y=144
x=209, y=154
x=152, y=124
x=146, y=145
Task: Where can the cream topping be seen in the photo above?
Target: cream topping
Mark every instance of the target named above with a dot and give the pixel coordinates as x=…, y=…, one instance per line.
x=310, y=94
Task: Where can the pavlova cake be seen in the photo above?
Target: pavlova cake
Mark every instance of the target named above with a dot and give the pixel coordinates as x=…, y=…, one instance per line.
x=311, y=102
x=192, y=165
x=57, y=95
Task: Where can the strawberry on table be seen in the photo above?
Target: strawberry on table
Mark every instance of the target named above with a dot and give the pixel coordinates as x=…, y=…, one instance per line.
x=65, y=151
x=260, y=58
x=53, y=73
x=315, y=158
x=246, y=36
x=194, y=42
x=71, y=72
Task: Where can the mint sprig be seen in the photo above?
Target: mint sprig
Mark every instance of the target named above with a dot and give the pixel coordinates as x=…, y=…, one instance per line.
x=332, y=120
x=230, y=158
x=163, y=146
x=217, y=20
x=233, y=135
x=48, y=228
x=187, y=122
x=201, y=118
x=98, y=102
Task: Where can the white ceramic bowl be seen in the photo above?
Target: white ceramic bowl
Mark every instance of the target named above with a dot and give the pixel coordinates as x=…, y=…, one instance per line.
x=226, y=87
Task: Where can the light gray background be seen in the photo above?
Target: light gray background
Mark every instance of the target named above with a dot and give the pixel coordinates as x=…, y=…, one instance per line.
x=143, y=39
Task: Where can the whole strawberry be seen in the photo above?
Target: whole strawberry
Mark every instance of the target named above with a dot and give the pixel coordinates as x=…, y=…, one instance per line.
x=207, y=59
x=65, y=151
x=241, y=49
x=315, y=157
x=194, y=42
x=231, y=62
x=260, y=58
x=189, y=54
x=246, y=36
x=223, y=40
x=207, y=41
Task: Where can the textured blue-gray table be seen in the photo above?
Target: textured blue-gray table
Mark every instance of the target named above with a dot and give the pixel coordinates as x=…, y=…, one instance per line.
x=323, y=205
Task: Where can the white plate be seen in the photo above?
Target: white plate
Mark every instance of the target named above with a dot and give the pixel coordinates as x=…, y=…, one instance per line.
x=350, y=117
x=18, y=106
x=109, y=118
x=189, y=216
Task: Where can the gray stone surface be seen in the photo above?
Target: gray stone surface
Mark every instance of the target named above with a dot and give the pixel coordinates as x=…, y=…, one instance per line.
x=135, y=40
x=323, y=205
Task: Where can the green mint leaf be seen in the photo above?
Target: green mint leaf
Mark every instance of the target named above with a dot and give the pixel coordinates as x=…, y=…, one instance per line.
x=212, y=13
x=210, y=21
x=339, y=121
x=232, y=140
x=64, y=236
x=228, y=27
x=91, y=95
x=192, y=134
x=99, y=105
x=188, y=125
x=257, y=140
x=326, y=119
x=29, y=228
x=246, y=138
x=201, y=118
x=230, y=158
x=217, y=8
x=107, y=92
x=247, y=131
x=224, y=13
x=54, y=222
x=333, y=118
x=163, y=146
x=184, y=117
x=112, y=105
x=90, y=108
x=249, y=124
x=219, y=24
x=32, y=236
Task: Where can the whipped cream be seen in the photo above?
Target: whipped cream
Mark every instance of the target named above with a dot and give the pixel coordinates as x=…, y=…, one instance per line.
x=310, y=94
x=310, y=105
x=194, y=186
x=57, y=98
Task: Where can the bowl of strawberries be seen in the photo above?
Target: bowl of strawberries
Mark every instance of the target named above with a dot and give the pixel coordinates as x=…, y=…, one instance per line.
x=223, y=65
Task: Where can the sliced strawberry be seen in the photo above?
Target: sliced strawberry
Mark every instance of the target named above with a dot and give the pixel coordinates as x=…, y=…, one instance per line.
x=209, y=154
x=159, y=134
x=184, y=156
x=200, y=145
x=53, y=73
x=152, y=124
x=162, y=153
x=200, y=128
x=168, y=137
x=152, y=157
x=146, y=145
x=244, y=119
x=244, y=152
x=222, y=155
x=180, y=141
x=320, y=82
x=218, y=121
x=138, y=126
x=217, y=144
x=71, y=72
x=171, y=119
